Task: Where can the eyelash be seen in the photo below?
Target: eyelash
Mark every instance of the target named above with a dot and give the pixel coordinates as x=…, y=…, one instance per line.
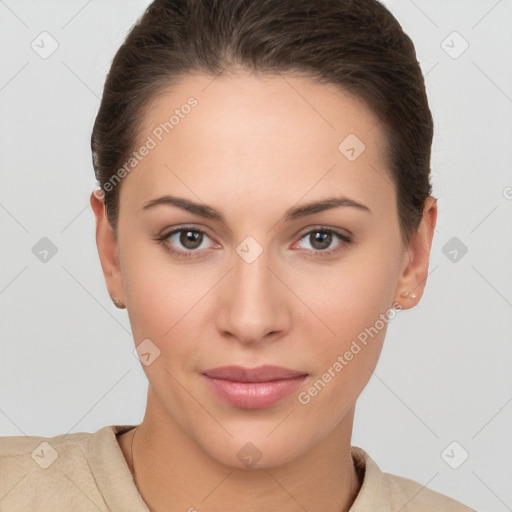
x=345, y=242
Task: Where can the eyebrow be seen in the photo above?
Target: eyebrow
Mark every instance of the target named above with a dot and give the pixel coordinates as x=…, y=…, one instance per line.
x=291, y=214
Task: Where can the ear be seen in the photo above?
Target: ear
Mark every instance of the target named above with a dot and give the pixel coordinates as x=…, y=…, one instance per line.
x=415, y=269
x=106, y=242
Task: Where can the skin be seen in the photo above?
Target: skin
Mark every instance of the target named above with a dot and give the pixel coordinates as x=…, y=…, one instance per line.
x=253, y=148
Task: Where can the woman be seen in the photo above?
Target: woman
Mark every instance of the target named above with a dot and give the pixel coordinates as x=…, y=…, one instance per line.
x=264, y=212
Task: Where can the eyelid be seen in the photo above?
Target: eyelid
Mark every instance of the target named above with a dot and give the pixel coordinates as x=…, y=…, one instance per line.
x=166, y=233
x=342, y=232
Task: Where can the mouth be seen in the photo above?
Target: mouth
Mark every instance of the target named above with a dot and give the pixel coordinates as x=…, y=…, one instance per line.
x=253, y=388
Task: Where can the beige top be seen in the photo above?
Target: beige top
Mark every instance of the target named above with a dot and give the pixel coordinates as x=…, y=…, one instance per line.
x=87, y=472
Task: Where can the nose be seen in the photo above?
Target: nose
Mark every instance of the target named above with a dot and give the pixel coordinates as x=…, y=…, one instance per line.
x=254, y=305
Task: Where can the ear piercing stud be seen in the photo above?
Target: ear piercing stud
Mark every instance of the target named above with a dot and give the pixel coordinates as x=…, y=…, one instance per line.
x=408, y=294
x=118, y=303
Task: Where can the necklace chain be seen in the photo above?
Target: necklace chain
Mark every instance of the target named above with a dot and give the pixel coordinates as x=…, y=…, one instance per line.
x=131, y=457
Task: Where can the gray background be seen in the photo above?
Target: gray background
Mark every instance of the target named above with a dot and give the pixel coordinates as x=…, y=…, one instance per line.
x=67, y=362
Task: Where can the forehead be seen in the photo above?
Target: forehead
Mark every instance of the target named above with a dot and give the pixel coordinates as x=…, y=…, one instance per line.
x=263, y=105
x=259, y=136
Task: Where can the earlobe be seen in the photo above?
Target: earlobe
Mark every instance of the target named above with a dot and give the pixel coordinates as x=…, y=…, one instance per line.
x=414, y=277
x=106, y=242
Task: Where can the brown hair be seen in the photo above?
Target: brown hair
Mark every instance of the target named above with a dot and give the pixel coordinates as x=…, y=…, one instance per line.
x=356, y=45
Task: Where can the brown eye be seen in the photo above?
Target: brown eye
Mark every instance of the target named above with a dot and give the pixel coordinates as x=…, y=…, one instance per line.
x=190, y=239
x=186, y=242
x=324, y=241
x=320, y=240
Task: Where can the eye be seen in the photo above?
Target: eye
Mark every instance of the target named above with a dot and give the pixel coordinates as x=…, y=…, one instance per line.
x=325, y=241
x=185, y=242
x=189, y=242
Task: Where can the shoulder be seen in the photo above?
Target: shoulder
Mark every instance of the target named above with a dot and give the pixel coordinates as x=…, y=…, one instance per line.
x=24, y=455
x=386, y=492
x=29, y=453
x=52, y=473
x=413, y=496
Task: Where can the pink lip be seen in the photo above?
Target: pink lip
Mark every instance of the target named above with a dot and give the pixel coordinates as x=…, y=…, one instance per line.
x=253, y=388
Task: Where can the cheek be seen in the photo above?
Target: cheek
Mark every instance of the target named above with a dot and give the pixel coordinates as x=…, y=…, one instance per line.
x=165, y=300
x=351, y=295
x=354, y=303
x=344, y=364
x=154, y=292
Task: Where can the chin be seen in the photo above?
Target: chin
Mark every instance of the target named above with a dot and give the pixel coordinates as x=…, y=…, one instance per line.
x=253, y=448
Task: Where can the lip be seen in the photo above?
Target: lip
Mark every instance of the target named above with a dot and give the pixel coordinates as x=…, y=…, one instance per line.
x=253, y=388
x=265, y=373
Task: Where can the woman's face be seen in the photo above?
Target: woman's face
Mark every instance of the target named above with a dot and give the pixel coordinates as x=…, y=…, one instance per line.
x=258, y=275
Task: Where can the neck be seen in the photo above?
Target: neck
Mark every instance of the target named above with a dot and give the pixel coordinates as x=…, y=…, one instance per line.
x=172, y=473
